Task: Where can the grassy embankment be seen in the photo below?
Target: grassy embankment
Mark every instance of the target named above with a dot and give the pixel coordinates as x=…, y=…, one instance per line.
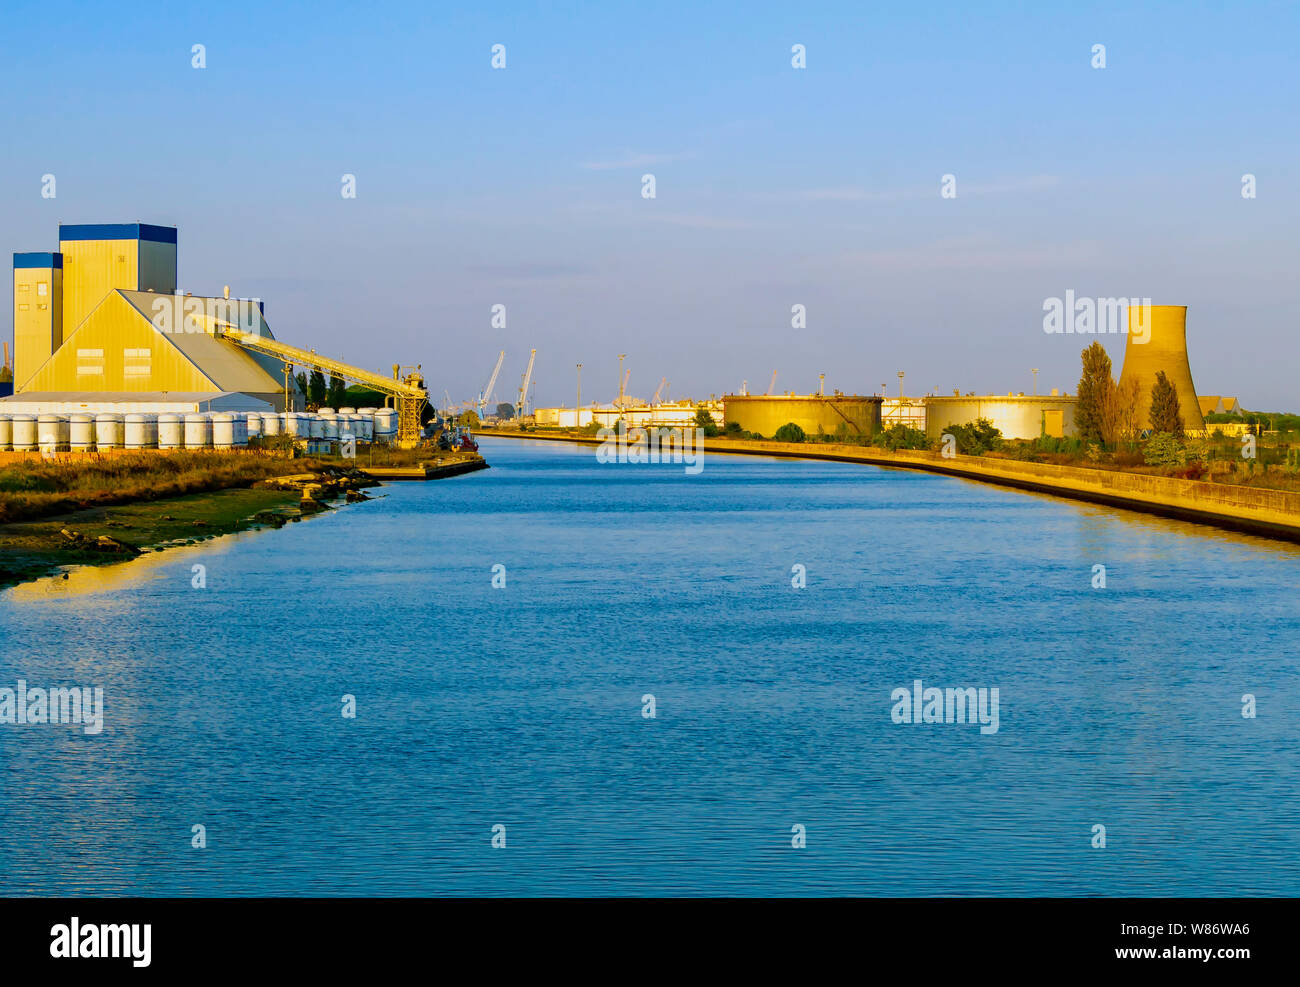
x=142, y=500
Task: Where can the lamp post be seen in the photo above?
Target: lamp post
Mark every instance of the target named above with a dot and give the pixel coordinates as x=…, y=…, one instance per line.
x=1035, y=373
x=900, y=385
x=579, y=404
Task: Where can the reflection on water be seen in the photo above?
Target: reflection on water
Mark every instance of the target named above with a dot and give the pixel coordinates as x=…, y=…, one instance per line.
x=522, y=706
x=89, y=580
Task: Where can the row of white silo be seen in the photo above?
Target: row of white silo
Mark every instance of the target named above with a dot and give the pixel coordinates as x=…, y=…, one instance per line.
x=84, y=432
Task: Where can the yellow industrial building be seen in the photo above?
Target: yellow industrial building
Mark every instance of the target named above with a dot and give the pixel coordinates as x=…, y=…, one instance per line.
x=100, y=322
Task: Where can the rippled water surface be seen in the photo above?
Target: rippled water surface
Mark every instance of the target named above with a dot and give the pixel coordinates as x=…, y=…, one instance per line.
x=522, y=706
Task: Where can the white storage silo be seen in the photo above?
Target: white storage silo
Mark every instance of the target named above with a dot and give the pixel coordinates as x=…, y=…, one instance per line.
x=24, y=433
x=316, y=426
x=171, y=434
x=52, y=432
x=254, y=425
x=81, y=433
x=347, y=411
x=142, y=431
x=330, y=426
x=198, y=431
x=271, y=424
x=108, y=431
x=223, y=430
x=241, y=431
x=386, y=425
x=325, y=412
x=6, y=432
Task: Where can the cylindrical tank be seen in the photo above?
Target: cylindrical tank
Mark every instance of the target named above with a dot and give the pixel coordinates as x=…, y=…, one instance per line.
x=271, y=424
x=6, y=432
x=108, y=431
x=241, y=432
x=81, y=433
x=317, y=427
x=198, y=431
x=347, y=411
x=386, y=425
x=52, y=432
x=171, y=433
x=142, y=431
x=367, y=423
x=24, y=433
x=325, y=412
x=330, y=426
x=223, y=430
x=254, y=424
x=292, y=423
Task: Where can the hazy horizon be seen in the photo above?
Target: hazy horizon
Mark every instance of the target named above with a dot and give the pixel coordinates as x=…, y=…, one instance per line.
x=775, y=186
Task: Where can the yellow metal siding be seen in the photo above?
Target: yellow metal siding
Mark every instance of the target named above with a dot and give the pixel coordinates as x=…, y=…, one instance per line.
x=38, y=319
x=117, y=350
x=93, y=268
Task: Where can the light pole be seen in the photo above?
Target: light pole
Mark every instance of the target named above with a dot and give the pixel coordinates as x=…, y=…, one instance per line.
x=579, y=404
x=620, y=379
x=1035, y=373
x=900, y=385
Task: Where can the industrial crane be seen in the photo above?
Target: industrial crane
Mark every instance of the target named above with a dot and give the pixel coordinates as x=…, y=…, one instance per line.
x=485, y=395
x=772, y=386
x=663, y=382
x=408, y=391
x=523, y=387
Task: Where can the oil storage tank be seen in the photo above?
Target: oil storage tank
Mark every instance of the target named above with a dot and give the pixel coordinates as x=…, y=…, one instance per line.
x=851, y=415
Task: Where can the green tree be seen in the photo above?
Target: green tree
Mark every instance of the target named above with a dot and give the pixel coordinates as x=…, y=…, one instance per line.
x=790, y=432
x=468, y=419
x=977, y=437
x=1164, y=449
x=300, y=378
x=1166, y=414
x=1094, y=386
x=337, y=393
x=900, y=436
x=316, y=388
x=505, y=410
x=704, y=420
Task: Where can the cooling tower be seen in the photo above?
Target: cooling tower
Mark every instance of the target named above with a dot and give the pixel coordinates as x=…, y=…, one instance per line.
x=1165, y=348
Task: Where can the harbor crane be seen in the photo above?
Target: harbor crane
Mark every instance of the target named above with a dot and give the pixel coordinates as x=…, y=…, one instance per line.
x=663, y=382
x=523, y=386
x=772, y=386
x=485, y=395
x=407, y=391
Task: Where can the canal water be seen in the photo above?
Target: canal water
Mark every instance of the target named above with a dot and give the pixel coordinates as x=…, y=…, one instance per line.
x=520, y=711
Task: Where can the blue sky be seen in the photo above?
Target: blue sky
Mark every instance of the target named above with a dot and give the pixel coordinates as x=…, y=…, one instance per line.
x=774, y=186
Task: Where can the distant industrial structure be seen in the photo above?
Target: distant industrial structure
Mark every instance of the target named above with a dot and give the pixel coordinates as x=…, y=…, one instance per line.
x=1016, y=416
x=853, y=415
x=1161, y=346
